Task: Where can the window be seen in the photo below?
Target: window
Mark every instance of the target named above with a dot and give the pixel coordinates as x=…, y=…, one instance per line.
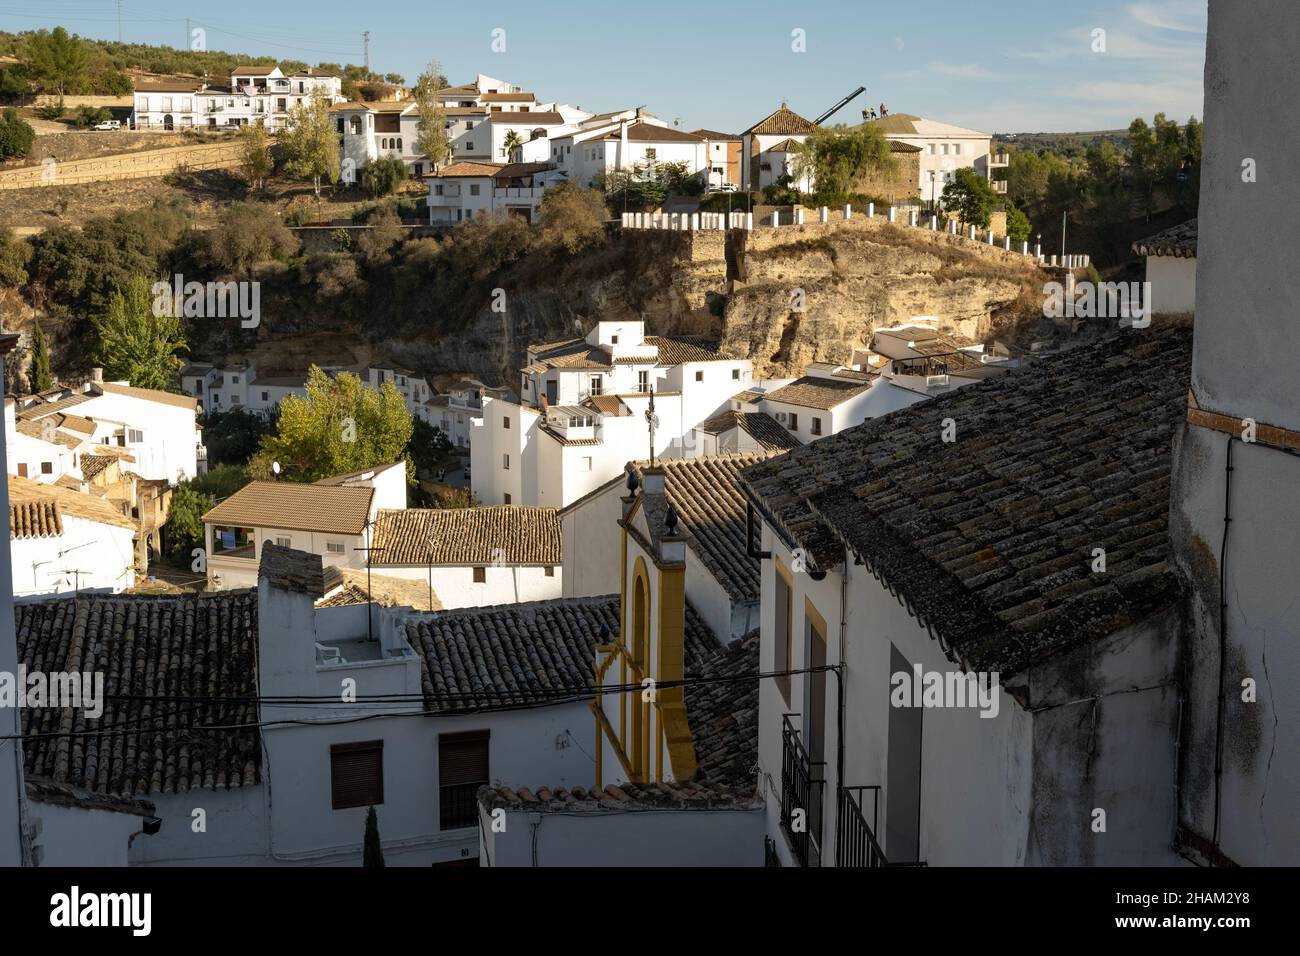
x=505, y=498
x=699, y=376
x=437, y=190
x=735, y=375
x=357, y=774
x=956, y=148
x=47, y=468
x=399, y=144
x=945, y=149
x=284, y=542
x=236, y=542
x=505, y=462
x=234, y=380
x=613, y=340
x=334, y=547
x=586, y=463
x=794, y=421
x=783, y=652
x=469, y=147
x=816, y=426
x=473, y=189
x=931, y=148
x=462, y=769
x=22, y=469
x=505, y=422
x=266, y=396
x=643, y=381
x=549, y=571
x=480, y=575
x=596, y=385
x=469, y=124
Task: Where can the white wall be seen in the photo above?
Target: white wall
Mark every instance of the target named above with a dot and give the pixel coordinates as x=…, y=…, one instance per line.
x=590, y=534
x=169, y=449
x=241, y=572
x=1173, y=283
x=103, y=552
x=505, y=584
x=83, y=837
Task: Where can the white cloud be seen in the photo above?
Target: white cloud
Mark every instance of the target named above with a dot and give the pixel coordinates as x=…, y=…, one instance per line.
x=1181, y=16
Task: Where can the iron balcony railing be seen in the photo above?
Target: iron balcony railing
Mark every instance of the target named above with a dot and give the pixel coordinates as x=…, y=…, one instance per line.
x=855, y=839
x=801, y=794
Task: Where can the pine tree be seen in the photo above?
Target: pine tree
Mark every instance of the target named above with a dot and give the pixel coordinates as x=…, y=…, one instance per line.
x=372, y=853
x=39, y=374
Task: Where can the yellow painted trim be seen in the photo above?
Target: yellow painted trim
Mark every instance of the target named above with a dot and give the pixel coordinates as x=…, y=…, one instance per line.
x=819, y=622
x=618, y=751
x=783, y=683
x=675, y=730
x=638, y=742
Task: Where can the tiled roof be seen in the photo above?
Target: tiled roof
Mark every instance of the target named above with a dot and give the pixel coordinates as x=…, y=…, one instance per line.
x=167, y=84
x=344, y=586
x=38, y=518
x=467, y=169
x=652, y=133
x=523, y=169
x=712, y=512
x=677, y=351
x=722, y=711
x=361, y=474
x=30, y=428
x=56, y=794
x=256, y=69
x=195, y=646
x=508, y=98
x=749, y=395
x=92, y=465
x=1178, y=241
x=898, y=146
x=296, y=507
x=822, y=393
x=40, y=409
x=465, y=110
x=71, y=503
x=527, y=119
x=781, y=122
x=608, y=405
x=150, y=395
x=785, y=146
x=989, y=539
x=621, y=798
x=760, y=426
x=522, y=653
x=714, y=136
x=509, y=534
x=288, y=569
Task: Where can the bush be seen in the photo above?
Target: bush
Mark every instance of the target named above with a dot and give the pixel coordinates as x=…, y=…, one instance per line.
x=402, y=205
x=16, y=135
x=572, y=218
x=384, y=176
x=15, y=253
x=723, y=202
x=50, y=111
x=232, y=438
x=246, y=235
x=88, y=116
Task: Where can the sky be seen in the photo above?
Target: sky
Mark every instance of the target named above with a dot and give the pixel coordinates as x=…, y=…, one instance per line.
x=1000, y=65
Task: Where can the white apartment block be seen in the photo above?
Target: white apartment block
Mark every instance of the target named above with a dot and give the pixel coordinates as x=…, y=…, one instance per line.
x=464, y=190
x=255, y=94
x=583, y=412
x=370, y=131
x=944, y=150
x=628, y=141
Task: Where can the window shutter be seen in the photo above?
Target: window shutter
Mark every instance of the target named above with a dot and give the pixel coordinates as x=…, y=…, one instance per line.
x=463, y=758
x=357, y=774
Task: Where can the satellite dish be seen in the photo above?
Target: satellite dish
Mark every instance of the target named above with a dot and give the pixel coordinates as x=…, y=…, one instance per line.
x=275, y=467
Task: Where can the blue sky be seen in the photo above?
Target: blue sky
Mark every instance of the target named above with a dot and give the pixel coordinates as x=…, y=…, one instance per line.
x=998, y=65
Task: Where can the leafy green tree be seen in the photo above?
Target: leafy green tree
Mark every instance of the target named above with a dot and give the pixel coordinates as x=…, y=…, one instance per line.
x=395, y=78
x=88, y=116
x=15, y=253
x=339, y=426
x=429, y=448
x=310, y=144
x=513, y=142
x=247, y=234
x=57, y=60
x=629, y=190
x=971, y=197
x=185, y=518
x=384, y=176
x=1018, y=226
x=222, y=481
x=233, y=437
x=431, y=129
x=255, y=155
x=16, y=135
x=39, y=378
x=834, y=159
x=373, y=851
x=136, y=344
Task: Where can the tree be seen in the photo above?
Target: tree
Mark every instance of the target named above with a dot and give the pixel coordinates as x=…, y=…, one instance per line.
x=627, y=190
x=39, y=378
x=88, y=116
x=971, y=197
x=339, y=426
x=1018, y=226
x=137, y=345
x=15, y=253
x=395, y=78
x=431, y=129
x=233, y=437
x=385, y=175
x=310, y=144
x=16, y=135
x=835, y=159
x=247, y=234
x=429, y=448
x=57, y=60
x=571, y=217
x=185, y=518
x=385, y=232
x=255, y=155
x=372, y=853
x=513, y=142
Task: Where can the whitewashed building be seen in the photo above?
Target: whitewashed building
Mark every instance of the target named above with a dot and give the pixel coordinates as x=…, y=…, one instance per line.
x=473, y=557
x=464, y=190
x=1171, y=268
x=333, y=518
x=945, y=148
x=256, y=93
x=767, y=149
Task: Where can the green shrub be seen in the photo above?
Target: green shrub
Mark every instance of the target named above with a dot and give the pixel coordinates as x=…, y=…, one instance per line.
x=50, y=111
x=16, y=135
x=88, y=116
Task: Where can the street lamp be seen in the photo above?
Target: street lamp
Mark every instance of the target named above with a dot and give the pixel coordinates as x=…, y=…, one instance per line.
x=933, y=206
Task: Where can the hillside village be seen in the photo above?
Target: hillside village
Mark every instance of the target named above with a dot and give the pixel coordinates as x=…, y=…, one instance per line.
x=716, y=505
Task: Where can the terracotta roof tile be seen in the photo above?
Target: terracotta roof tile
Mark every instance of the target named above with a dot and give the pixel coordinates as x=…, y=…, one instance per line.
x=71, y=503
x=819, y=393
x=689, y=795
x=781, y=122
x=296, y=507
x=760, y=426
x=509, y=534
x=1178, y=241
x=37, y=518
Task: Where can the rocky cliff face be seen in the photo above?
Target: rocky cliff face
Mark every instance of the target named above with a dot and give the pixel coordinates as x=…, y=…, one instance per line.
x=781, y=297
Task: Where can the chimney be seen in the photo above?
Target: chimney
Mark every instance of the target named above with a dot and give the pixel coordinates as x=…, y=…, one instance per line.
x=97, y=375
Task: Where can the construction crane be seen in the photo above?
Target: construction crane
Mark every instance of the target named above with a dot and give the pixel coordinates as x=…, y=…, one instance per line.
x=838, y=106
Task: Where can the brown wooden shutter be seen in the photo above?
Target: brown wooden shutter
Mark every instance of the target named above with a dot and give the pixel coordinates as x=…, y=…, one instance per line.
x=357, y=774
x=463, y=758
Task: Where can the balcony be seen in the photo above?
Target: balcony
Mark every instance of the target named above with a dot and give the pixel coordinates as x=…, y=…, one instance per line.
x=999, y=186
x=855, y=839
x=801, y=796
x=519, y=192
x=999, y=159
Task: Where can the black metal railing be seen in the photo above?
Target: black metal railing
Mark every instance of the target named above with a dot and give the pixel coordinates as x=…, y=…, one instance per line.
x=801, y=794
x=458, y=806
x=855, y=839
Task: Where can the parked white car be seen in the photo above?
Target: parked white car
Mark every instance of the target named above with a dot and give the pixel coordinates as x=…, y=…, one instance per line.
x=108, y=125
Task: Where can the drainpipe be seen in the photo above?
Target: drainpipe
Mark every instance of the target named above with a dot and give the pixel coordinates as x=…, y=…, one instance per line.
x=1223, y=647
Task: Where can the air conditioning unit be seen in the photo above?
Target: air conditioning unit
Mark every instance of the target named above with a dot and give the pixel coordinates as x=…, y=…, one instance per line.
x=932, y=381
x=780, y=417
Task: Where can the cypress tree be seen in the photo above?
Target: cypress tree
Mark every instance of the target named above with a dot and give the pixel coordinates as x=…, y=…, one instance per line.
x=39, y=376
x=372, y=854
